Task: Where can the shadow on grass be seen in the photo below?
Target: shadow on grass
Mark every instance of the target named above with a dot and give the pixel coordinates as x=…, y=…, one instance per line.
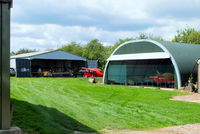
x=37, y=119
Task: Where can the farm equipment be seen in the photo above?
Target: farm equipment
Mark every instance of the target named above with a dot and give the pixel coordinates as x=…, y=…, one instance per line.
x=91, y=72
x=166, y=79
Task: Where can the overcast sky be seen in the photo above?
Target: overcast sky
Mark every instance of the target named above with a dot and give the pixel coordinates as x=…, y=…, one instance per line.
x=44, y=24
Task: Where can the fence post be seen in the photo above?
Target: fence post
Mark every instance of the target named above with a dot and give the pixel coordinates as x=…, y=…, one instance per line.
x=5, y=107
x=5, y=113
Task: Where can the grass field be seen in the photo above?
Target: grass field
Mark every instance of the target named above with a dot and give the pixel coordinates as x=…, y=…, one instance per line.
x=63, y=105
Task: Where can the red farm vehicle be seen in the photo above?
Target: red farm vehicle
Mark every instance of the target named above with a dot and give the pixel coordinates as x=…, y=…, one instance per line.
x=91, y=72
x=166, y=78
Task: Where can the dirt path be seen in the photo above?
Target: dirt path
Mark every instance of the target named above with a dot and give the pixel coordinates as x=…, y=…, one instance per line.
x=194, y=97
x=184, y=129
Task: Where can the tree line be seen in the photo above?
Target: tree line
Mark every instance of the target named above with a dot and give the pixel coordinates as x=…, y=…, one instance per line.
x=95, y=50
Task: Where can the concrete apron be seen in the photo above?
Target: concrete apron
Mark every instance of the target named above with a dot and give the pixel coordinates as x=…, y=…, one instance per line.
x=12, y=130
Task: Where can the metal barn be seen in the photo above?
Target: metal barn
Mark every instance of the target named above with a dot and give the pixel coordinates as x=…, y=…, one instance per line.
x=152, y=63
x=92, y=63
x=47, y=63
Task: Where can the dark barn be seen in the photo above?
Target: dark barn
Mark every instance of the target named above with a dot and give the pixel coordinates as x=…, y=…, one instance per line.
x=53, y=63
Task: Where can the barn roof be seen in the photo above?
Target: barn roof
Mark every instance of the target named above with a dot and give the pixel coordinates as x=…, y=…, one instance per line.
x=185, y=55
x=50, y=54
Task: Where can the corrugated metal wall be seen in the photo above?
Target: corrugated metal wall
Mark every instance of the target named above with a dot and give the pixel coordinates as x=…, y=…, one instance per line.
x=23, y=68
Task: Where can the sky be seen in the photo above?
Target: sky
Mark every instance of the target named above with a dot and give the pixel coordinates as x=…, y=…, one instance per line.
x=49, y=24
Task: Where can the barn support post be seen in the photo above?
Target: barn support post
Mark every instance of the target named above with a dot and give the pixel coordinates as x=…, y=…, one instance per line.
x=198, y=76
x=5, y=110
x=4, y=65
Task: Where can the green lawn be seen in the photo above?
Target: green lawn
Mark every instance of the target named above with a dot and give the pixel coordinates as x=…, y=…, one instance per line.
x=62, y=105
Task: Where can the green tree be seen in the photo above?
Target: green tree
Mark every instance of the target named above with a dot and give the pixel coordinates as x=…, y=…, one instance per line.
x=74, y=48
x=12, y=53
x=149, y=36
x=121, y=41
x=187, y=35
x=24, y=50
x=94, y=50
x=109, y=49
x=142, y=36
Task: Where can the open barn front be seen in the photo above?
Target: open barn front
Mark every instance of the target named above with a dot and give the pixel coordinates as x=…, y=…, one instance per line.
x=154, y=73
x=55, y=68
x=51, y=63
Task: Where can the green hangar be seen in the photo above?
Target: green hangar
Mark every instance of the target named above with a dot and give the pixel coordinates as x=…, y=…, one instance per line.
x=152, y=63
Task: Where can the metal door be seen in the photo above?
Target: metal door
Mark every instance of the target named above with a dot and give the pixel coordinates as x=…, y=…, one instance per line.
x=23, y=68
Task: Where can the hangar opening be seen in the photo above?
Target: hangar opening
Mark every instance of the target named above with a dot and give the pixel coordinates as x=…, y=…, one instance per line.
x=158, y=72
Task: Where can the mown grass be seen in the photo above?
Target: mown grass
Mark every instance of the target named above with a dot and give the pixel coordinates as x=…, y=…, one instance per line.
x=63, y=105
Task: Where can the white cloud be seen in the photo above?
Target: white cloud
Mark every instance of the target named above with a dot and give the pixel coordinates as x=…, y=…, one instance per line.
x=53, y=36
x=49, y=23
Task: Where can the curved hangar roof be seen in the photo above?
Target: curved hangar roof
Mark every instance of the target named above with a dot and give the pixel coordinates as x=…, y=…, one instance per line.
x=183, y=56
